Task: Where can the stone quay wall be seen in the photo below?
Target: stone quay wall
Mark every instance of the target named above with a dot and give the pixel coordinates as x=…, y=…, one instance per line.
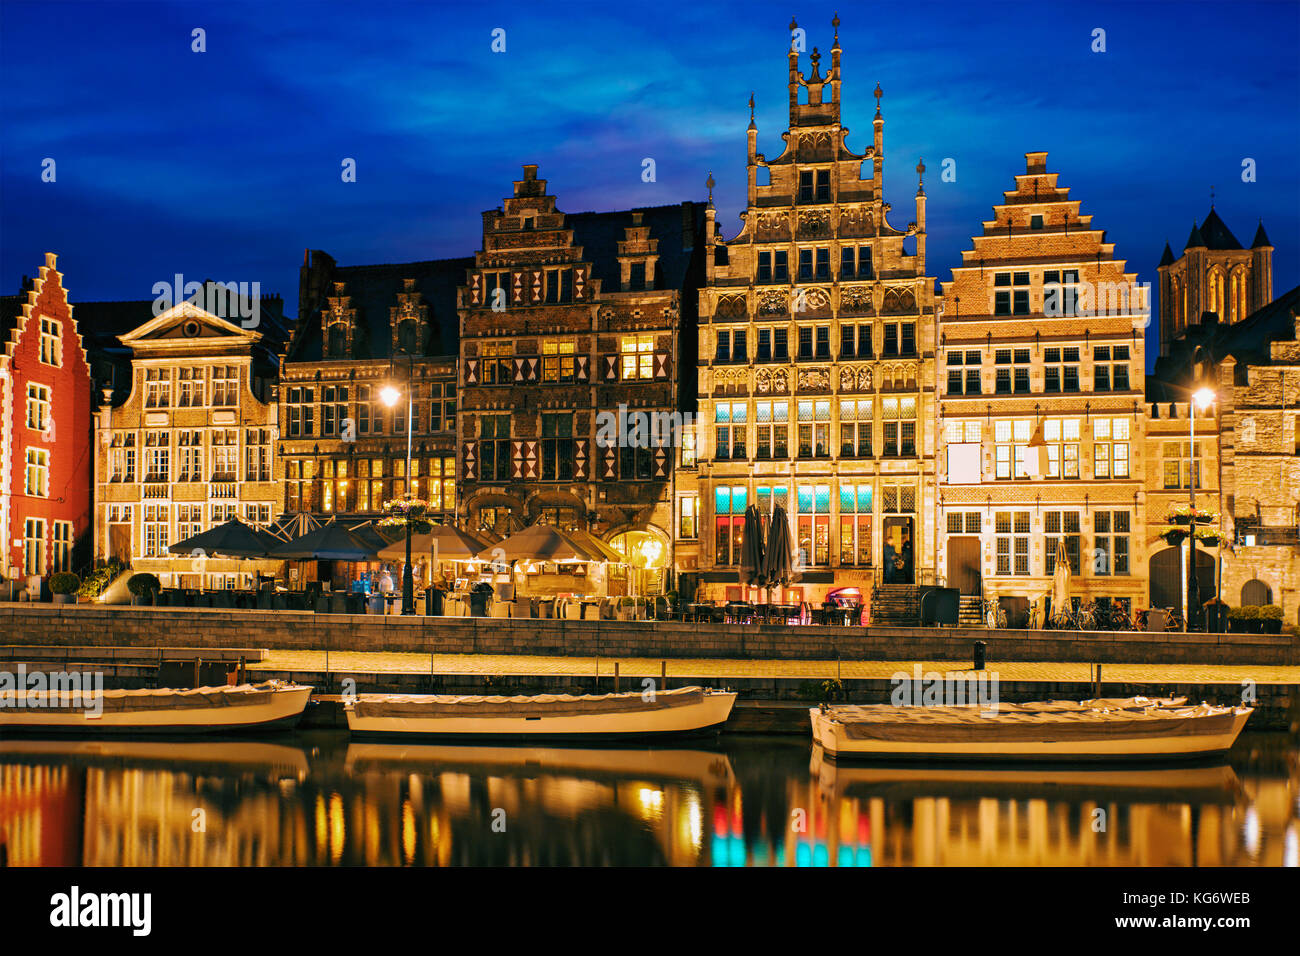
x=92, y=625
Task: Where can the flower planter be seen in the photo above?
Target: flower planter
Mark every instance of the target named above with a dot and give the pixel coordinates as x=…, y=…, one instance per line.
x=72, y=599
x=1270, y=626
x=1180, y=519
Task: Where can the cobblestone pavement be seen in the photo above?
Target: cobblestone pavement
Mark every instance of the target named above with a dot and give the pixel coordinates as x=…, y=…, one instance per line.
x=502, y=664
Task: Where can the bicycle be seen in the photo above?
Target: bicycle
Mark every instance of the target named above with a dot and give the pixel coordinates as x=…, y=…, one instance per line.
x=994, y=615
x=1173, y=619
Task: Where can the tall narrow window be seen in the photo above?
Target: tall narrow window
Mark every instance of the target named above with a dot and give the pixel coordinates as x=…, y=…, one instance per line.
x=855, y=525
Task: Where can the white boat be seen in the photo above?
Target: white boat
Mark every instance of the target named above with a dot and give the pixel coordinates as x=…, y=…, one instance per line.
x=245, y=754
x=1126, y=729
x=271, y=704
x=678, y=712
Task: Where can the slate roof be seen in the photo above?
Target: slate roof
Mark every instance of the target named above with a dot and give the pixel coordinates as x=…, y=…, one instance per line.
x=1261, y=237
x=1216, y=234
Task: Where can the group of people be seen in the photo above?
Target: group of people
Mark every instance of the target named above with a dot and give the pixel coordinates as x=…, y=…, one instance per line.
x=898, y=562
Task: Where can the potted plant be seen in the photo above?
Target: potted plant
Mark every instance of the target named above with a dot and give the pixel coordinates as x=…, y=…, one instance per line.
x=1207, y=537
x=93, y=585
x=1270, y=619
x=143, y=588
x=64, y=585
x=1183, y=514
x=1244, y=620
x=1174, y=536
x=479, y=595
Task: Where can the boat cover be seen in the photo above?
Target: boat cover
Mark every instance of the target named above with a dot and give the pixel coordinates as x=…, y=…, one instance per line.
x=163, y=698
x=539, y=705
x=965, y=724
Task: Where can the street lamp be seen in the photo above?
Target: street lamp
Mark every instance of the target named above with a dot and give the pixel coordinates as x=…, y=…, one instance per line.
x=389, y=395
x=1201, y=399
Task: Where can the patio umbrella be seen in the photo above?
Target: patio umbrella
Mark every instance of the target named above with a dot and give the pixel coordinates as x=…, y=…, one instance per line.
x=590, y=541
x=778, y=558
x=1060, y=580
x=540, y=542
x=329, y=542
x=453, y=544
x=233, y=539
x=751, y=549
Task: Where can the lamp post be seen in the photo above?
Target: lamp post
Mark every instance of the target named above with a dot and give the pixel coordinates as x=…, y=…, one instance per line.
x=1201, y=399
x=390, y=396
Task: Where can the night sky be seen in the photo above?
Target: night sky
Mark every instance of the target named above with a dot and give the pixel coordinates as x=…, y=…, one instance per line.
x=226, y=164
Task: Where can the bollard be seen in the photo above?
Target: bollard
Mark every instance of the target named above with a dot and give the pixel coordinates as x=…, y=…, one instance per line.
x=980, y=648
x=663, y=675
x=616, y=677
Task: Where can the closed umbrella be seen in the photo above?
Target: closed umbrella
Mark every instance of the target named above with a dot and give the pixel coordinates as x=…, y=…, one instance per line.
x=751, y=549
x=1060, y=581
x=778, y=557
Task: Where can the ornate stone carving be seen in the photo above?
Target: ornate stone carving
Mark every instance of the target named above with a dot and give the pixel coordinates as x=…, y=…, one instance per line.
x=856, y=300
x=773, y=302
x=780, y=382
x=814, y=224
x=864, y=380
x=814, y=380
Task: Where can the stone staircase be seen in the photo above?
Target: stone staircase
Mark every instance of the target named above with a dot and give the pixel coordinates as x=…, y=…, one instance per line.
x=896, y=604
x=970, y=611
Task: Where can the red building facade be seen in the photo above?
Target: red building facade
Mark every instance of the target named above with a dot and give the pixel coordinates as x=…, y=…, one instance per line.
x=45, y=431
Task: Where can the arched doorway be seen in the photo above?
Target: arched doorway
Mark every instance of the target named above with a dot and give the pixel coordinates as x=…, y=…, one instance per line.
x=1256, y=592
x=1166, y=570
x=647, y=554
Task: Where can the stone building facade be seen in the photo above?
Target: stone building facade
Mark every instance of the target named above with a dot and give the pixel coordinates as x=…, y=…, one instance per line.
x=816, y=357
x=1213, y=274
x=362, y=329
x=572, y=328
x=190, y=443
x=45, y=430
x=1042, y=415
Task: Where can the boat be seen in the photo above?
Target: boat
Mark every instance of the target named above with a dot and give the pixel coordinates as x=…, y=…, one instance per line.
x=1135, y=728
x=269, y=705
x=678, y=712
x=192, y=755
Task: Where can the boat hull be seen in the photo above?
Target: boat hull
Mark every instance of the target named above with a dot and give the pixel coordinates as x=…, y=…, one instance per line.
x=703, y=718
x=276, y=709
x=1057, y=745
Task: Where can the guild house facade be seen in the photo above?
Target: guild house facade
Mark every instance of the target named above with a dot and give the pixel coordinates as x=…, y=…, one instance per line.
x=816, y=359
x=1042, y=410
x=572, y=328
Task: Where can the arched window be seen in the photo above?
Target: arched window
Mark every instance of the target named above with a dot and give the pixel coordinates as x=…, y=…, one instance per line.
x=1256, y=592
x=406, y=336
x=338, y=341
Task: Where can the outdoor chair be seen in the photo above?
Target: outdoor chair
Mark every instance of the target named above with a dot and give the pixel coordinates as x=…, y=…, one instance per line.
x=523, y=607
x=499, y=608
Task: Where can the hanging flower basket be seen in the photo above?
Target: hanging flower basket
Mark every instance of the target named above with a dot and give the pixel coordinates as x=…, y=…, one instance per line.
x=1174, y=536
x=406, y=512
x=1207, y=537
x=1183, y=515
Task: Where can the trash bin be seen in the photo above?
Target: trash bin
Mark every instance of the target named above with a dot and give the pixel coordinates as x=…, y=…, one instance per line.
x=432, y=602
x=375, y=603
x=1156, y=619
x=980, y=648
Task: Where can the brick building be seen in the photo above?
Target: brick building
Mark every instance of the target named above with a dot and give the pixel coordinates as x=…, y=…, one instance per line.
x=362, y=328
x=816, y=360
x=569, y=321
x=1213, y=274
x=1041, y=427
x=45, y=461
x=185, y=432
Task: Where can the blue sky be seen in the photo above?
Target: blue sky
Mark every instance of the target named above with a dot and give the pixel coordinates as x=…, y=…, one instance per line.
x=226, y=164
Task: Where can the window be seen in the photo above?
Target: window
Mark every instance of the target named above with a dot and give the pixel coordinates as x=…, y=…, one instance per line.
x=225, y=454
x=191, y=386
x=635, y=464
x=638, y=356
x=1012, y=538
x=189, y=445
x=729, y=419
x=442, y=403
x=38, y=407
x=900, y=338
x=732, y=346
x=1110, y=542
x=557, y=447
x=855, y=263
x=257, y=454
x=1110, y=447
x=688, y=517
x=225, y=386
x=805, y=342
x=496, y=363
x=50, y=345
x=855, y=525
x=773, y=267
x=333, y=409
x=813, y=527
x=62, y=546
x=823, y=342
x=1058, y=526
x=1011, y=371
x=1062, y=369
x=156, y=528
x=899, y=415
x=363, y=420
x=964, y=372
x=1011, y=293
x=855, y=428
x=814, y=428
x=36, y=483
x=688, y=445
x=1036, y=222
x=780, y=345
x=773, y=426
x=189, y=521
x=1177, y=456
x=301, y=412
x=1110, y=368
x=1061, y=292
x=158, y=456
x=442, y=484
x=766, y=496
x=823, y=267
x=257, y=514
x=494, y=447
x=157, y=388
x=399, y=411
x=968, y=521
x=121, y=457
x=815, y=185
x=558, y=364
x=1062, y=438
x=34, y=546
x=729, y=520
x=1011, y=439
x=298, y=480
x=855, y=340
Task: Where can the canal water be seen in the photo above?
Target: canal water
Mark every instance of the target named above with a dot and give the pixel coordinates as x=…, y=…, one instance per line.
x=318, y=799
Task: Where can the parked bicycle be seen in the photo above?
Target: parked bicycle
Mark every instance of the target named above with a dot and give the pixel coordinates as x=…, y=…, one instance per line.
x=994, y=615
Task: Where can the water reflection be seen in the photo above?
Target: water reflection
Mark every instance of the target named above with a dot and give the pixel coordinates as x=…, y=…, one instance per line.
x=315, y=799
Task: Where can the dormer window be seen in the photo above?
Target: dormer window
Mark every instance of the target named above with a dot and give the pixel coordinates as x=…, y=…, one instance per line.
x=636, y=277
x=529, y=223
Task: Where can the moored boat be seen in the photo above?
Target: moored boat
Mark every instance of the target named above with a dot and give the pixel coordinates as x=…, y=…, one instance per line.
x=268, y=705
x=678, y=712
x=1114, y=729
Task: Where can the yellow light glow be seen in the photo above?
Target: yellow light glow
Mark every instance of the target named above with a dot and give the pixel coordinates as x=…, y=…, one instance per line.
x=1203, y=398
x=389, y=395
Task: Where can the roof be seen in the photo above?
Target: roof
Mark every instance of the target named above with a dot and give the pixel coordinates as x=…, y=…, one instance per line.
x=1261, y=238
x=1168, y=258
x=679, y=228
x=1216, y=234
x=1194, y=240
